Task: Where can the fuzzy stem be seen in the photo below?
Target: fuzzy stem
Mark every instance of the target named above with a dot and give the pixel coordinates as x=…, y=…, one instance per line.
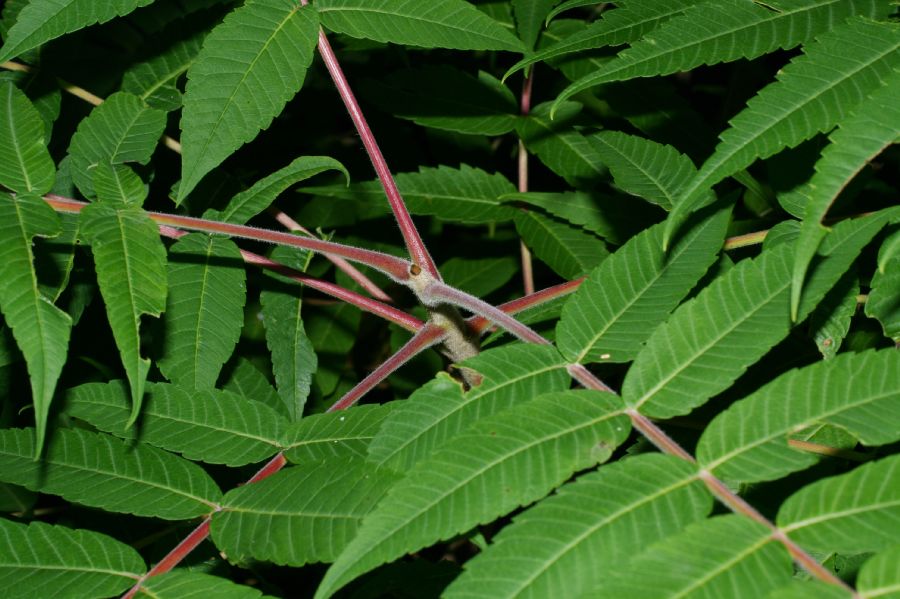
x=525, y=253
x=414, y=245
x=480, y=323
x=726, y=496
x=396, y=268
x=351, y=271
x=427, y=336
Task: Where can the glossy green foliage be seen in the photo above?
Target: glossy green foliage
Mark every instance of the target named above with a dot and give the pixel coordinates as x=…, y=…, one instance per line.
x=700, y=193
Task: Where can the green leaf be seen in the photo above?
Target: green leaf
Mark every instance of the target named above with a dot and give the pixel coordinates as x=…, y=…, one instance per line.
x=811, y=94
x=617, y=308
x=850, y=513
x=879, y=577
x=247, y=204
x=883, y=303
x=248, y=381
x=241, y=80
x=321, y=437
x=189, y=584
x=43, y=20
x=155, y=80
x=589, y=211
x=122, y=129
x=710, y=340
x=41, y=329
x=441, y=24
x=568, y=250
x=204, y=312
x=211, y=426
x=595, y=520
x=811, y=589
x=443, y=97
x=100, y=471
x=25, y=163
x=725, y=556
x=530, y=15
x=118, y=184
x=439, y=410
x=564, y=151
x=40, y=560
x=873, y=125
x=830, y=321
x=626, y=23
x=131, y=270
x=722, y=31
x=479, y=276
x=858, y=392
x=467, y=195
x=641, y=167
x=293, y=359
x=568, y=5
x=499, y=464
x=294, y=518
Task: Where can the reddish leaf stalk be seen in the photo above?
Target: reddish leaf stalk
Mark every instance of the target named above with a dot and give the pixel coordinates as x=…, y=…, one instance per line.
x=414, y=244
x=524, y=108
x=396, y=268
x=351, y=271
x=480, y=323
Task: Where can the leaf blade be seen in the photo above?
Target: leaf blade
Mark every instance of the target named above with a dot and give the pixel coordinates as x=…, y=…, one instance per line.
x=25, y=162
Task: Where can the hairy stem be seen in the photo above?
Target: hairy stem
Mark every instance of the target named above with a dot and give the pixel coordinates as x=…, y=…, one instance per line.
x=351, y=271
x=414, y=244
x=480, y=323
x=396, y=268
x=525, y=253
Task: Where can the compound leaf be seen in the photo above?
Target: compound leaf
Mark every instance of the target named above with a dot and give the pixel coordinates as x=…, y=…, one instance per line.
x=101, y=471
x=130, y=260
x=41, y=560
x=250, y=66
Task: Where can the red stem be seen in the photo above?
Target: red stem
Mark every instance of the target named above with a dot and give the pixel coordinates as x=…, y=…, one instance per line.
x=480, y=323
x=396, y=268
x=524, y=108
x=414, y=245
x=351, y=271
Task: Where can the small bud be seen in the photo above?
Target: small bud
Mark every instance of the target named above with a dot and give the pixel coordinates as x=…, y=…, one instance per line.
x=415, y=270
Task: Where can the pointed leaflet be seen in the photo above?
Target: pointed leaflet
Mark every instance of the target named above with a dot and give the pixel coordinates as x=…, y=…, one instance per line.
x=810, y=589
x=43, y=560
x=211, y=426
x=204, y=312
x=882, y=303
x=620, y=304
x=443, y=97
x=293, y=360
x=247, y=204
x=439, y=410
x=858, y=392
x=722, y=31
x=727, y=556
x=122, y=129
x=568, y=250
x=830, y=321
x=873, y=126
x=530, y=16
x=155, y=80
x=592, y=212
x=43, y=20
x=879, y=576
x=131, y=270
x=100, y=471
x=569, y=542
x=811, y=94
x=250, y=66
x=336, y=434
x=710, y=340
x=467, y=194
x=642, y=167
x=479, y=276
x=118, y=184
x=563, y=150
x=41, y=329
x=303, y=514
x=438, y=24
x=621, y=25
x=850, y=513
x=25, y=163
x=190, y=584
x=500, y=463
x=568, y=5
x=249, y=382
